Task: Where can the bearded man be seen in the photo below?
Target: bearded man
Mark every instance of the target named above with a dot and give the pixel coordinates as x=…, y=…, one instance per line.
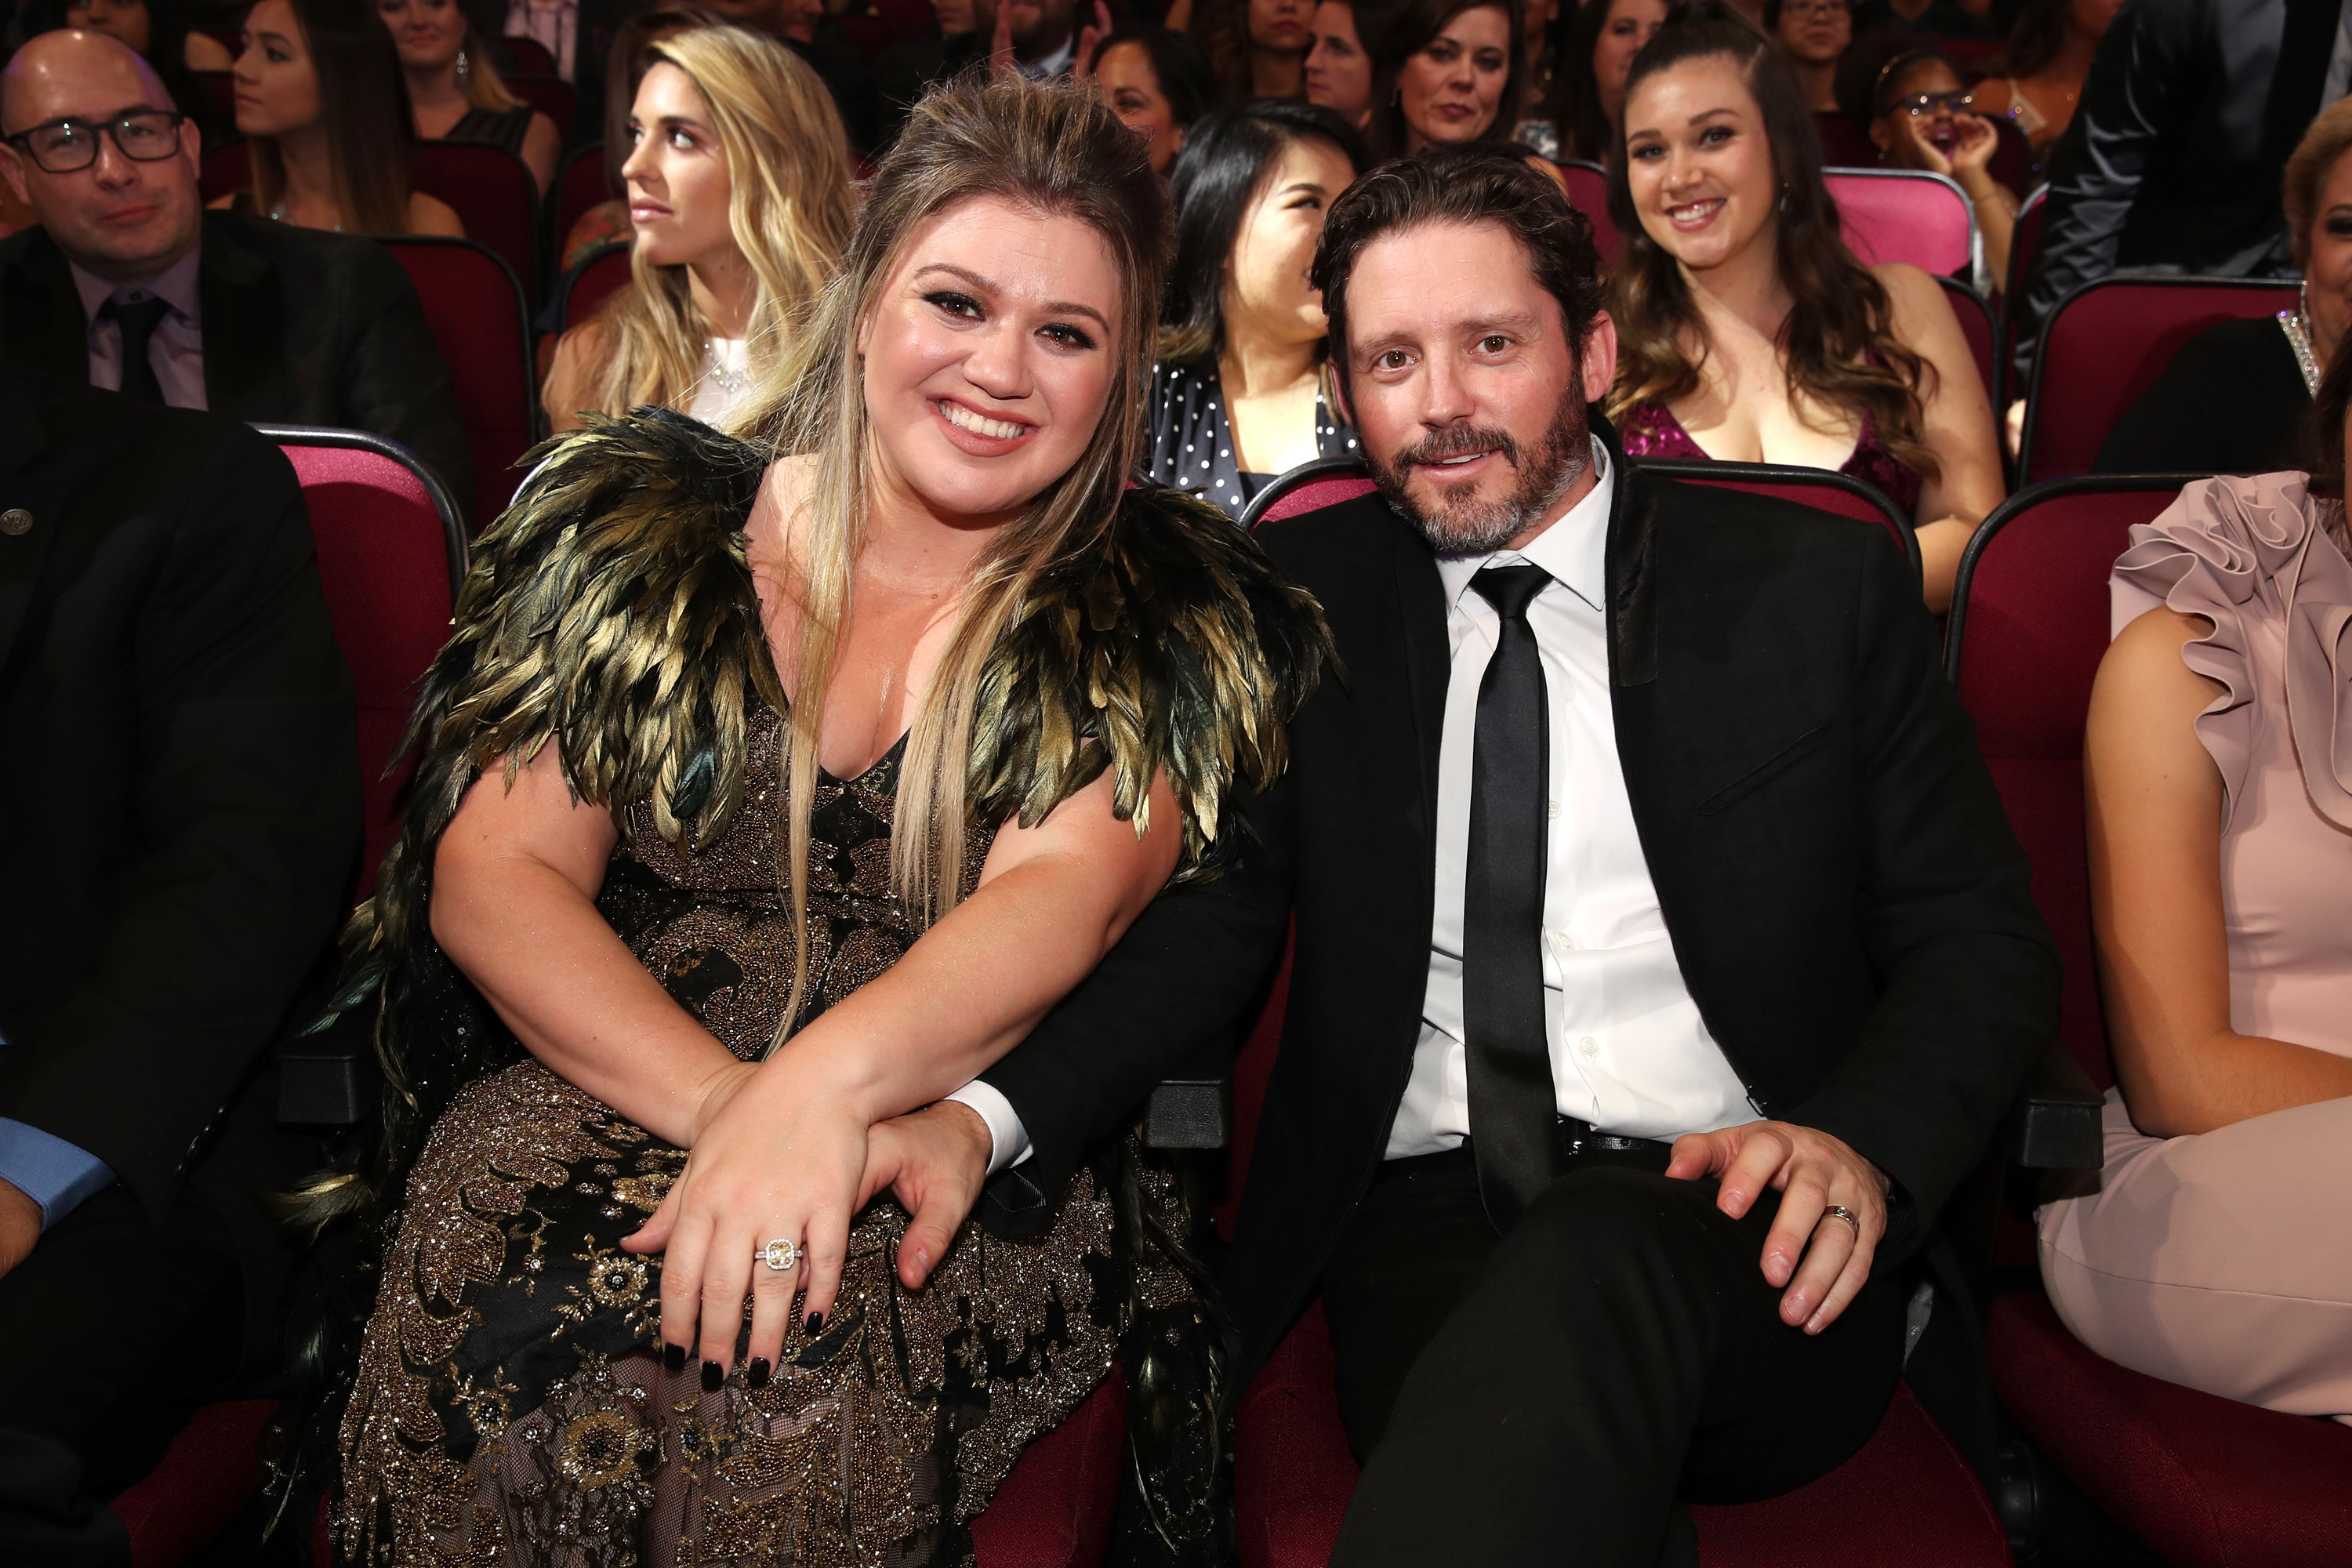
x=1663, y=958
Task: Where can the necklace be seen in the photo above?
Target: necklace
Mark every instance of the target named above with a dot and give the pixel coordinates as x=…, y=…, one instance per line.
x=733, y=383
x=2296, y=325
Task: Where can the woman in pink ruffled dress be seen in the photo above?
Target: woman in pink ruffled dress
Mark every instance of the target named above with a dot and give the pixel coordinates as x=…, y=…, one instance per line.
x=2215, y=1249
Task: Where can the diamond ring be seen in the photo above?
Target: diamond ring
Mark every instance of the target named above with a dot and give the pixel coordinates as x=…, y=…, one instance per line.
x=1835, y=1211
x=782, y=1255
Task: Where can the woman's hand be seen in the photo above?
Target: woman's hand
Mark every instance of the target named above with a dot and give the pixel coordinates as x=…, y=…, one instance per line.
x=780, y=1154
x=1971, y=154
x=1090, y=37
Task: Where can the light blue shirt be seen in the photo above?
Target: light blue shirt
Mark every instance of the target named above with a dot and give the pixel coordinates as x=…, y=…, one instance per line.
x=49, y=1170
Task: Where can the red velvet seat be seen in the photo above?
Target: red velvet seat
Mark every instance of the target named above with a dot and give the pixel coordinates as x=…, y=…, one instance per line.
x=1846, y=141
x=530, y=56
x=579, y=184
x=550, y=95
x=603, y=273
x=2203, y=1481
x=1909, y=1497
x=2105, y=344
x=494, y=196
x=2024, y=240
x=1977, y=325
x=1588, y=193
x=474, y=305
x=211, y=1471
x=1906, y=214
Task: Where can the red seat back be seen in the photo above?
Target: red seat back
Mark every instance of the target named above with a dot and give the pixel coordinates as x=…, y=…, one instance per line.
x=475, y=307
x=1905, y=214
x=1588, y=193
x=2105, y=344
x=579, y=184
x=2029, y=626
x=1976, y=326
x=603, y=274
x=530, y=56
x=2024, y=240
x=1846, y=141
x=1823, y=489
x=228, y=168
x=1310, y=487
x=550, y=95
x=219, y=90
x=2012, y=156
x=494, y=197
x=391, y=555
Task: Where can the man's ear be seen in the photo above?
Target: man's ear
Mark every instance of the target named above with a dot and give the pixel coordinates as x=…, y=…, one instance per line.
x=1346, y=414
x=13, y=167
x=1598, y=358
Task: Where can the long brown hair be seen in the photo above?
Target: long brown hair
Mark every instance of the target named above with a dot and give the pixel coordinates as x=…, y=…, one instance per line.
x=1054, y=148
x=364, y=104
x=1838, y=340
x=1410, y=30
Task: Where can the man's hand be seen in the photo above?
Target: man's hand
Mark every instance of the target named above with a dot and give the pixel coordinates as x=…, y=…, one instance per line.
x=934, y=1162
x=1812, y=1171
x=20, y=1226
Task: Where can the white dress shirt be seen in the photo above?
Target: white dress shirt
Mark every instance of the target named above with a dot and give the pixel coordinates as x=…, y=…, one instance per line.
x=1629, y=1053
x=177, y=351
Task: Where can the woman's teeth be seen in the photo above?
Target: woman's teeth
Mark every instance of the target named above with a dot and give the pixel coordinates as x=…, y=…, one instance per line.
x=965, y=419
x=1693, y=211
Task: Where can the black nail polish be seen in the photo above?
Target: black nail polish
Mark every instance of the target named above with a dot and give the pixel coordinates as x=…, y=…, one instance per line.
x=673, y=1358
x=756, y=1374
x=815, y=1324
x=713, y=1374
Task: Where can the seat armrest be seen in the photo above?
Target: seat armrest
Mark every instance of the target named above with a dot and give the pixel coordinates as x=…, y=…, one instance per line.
x=327, y=1077
x=1188, y=1113
x=2055, y=1125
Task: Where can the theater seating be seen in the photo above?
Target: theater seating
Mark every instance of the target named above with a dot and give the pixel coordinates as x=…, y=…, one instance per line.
x=601, y=274
x=1906, y=214
x=1977, y=325
x=550, y=95
x=525, y=57
x=2024, y=240
x=494, y=196
x=1908, y=1497
x=2202, y=1481
x=579, y=184
x=2105, y=344
x=474, y=305
x=1846, y=141
x=1820, y=489
x=1588, y=193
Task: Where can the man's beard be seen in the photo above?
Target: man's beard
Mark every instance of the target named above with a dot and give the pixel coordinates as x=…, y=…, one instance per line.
x=1470, y=524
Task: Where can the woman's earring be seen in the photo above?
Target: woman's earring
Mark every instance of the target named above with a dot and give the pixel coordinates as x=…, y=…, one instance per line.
x=1784, y=199
x=465, y=67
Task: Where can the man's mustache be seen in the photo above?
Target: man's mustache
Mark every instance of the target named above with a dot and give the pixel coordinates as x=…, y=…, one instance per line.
x=1457, y=441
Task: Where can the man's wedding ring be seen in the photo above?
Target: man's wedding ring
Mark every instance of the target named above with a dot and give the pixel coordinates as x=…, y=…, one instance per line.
x=1835, y=1211
x=781, y=1255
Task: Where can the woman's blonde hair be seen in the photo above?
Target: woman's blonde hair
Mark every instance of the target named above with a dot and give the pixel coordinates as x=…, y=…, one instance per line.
x=1055, y=148
x=2328, y=139
x=789, y=206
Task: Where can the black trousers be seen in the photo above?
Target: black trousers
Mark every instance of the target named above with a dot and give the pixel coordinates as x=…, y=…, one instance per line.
x=112, y=1331
x=1547, y=1395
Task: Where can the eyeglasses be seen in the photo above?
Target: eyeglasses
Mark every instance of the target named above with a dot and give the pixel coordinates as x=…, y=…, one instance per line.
x=1817, y=10
x=62, y=146
x=1919, y=103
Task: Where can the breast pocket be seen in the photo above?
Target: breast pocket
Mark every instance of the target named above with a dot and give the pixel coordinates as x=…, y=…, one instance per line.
x=1780, y=761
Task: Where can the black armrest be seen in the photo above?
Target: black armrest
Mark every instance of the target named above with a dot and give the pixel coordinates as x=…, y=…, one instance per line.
x=2055, y=1125
x=326, y=1077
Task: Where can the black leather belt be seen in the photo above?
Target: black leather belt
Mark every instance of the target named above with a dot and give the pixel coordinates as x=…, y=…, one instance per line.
x=1579, y=1146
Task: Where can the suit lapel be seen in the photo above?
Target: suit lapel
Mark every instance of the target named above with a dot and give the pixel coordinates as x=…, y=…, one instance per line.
x=244, y=327
x=1429, y=662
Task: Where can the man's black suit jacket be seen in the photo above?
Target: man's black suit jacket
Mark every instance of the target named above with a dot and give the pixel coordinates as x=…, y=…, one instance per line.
x=301, y=326
x=1847, y=903
x=181, y=795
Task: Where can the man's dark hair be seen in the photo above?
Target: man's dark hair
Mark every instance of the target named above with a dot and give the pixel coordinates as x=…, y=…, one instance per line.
x=1463, y=185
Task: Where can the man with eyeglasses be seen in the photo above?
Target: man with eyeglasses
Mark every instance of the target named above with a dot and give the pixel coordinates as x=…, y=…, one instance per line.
x=130, y=285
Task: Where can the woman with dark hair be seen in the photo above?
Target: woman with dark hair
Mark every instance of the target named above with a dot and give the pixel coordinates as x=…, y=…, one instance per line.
x=454, y=91
x=1256, y=48
x=1923, y=116
x=770, y=789
x=1447, y=71
x=1157, y=81
x=1815, y=36
x=1745, y=323
x=2050, y=50
x=321, y=99
x=2210, y=1249
x=1347, y=34
x=630, y=56
x=1578, y=118
x=2236, y=399
x=158, y=31
x=1238, y=394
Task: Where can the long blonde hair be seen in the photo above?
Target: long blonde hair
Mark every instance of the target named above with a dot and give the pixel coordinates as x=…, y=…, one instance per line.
x=1054, y=148
x=789, y=206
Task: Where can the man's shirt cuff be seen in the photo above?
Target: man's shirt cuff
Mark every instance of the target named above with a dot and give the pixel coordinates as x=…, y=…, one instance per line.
x=1009, y=1139
x=59, y=1176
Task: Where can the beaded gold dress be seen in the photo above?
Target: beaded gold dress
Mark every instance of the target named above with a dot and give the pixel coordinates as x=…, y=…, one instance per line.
x=505, y=1401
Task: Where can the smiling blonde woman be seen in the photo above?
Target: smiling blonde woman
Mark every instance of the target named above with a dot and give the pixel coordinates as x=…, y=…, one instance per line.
x=740, y=196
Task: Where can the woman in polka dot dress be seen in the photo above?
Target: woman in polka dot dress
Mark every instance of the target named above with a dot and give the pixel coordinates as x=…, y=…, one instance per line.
x=1239, y=394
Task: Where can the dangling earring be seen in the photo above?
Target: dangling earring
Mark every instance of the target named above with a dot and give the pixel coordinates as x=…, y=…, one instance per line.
x=465, y=68
x=1784, y=200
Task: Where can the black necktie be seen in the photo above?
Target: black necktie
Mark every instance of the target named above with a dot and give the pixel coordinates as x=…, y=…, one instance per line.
x=1512, y=1104
x=137, y=322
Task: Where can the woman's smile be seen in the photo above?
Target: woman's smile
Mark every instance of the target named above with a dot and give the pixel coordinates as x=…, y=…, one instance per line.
x=982, y=435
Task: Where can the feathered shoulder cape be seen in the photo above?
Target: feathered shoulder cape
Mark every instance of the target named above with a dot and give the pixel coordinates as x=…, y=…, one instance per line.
x=611, y=613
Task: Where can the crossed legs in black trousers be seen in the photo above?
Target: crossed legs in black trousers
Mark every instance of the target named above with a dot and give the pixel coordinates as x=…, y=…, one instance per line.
x=1547, y=1395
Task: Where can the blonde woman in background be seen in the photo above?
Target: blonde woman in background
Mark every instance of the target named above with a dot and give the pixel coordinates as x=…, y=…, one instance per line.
x=454, y=93
x=739, y=192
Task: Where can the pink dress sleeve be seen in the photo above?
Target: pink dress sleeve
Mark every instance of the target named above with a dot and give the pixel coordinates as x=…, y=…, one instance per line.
x=2239, y=552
